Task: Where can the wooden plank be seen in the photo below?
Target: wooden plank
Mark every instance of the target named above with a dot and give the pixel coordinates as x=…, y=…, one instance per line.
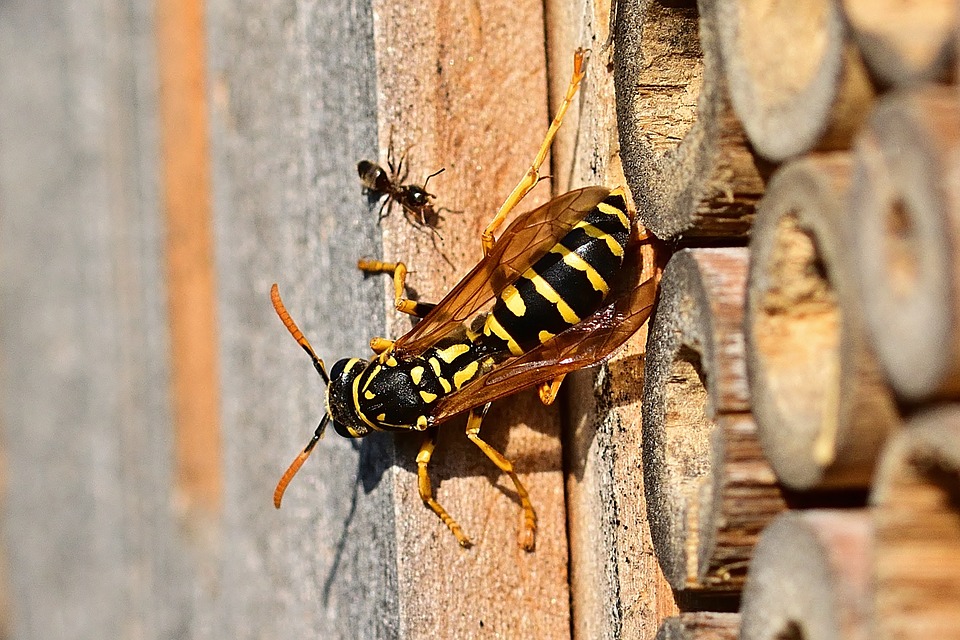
x=95, y=549
x=467, y=90
x=293, y=107
x=617, y=588
x=185, y=175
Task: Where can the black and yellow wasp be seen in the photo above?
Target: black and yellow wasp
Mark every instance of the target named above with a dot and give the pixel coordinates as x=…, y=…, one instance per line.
x=563, y=286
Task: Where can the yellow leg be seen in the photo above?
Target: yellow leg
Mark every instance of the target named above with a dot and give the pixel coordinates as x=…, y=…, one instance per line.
x=426, y=492
x=380, y=345
x=549, y=390
x=529, y=533
x=532, y=176
x=399, y=271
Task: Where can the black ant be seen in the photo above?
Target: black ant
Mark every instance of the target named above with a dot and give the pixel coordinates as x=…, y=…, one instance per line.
x=415, y=200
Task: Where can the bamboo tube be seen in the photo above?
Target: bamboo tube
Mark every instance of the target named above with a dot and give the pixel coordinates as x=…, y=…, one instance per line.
x=916, y=512
x=905, y=230
x=700, y=455
x=904, y=43
x=684, y=153
x=701, y=625
x=796, y=81
x=821, y=405
x=809, y=578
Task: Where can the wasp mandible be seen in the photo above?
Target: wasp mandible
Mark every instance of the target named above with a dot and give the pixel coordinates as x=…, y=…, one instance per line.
x=562, y=287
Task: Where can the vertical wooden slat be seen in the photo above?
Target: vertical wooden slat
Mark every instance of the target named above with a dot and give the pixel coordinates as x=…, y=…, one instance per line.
x=617, y=588
x=293, y=106
x=94, y=549
x=185, y=171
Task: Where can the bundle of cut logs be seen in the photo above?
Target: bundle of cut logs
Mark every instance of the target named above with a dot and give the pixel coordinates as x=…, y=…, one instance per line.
x=801, y=409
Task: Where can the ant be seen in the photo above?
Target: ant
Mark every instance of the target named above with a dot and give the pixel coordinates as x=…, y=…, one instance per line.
x=414, y=199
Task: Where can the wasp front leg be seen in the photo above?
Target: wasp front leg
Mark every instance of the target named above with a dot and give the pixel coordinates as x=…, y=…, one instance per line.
x=532, y=177
x=529, y=533
x=399, y=271
x=426, y=491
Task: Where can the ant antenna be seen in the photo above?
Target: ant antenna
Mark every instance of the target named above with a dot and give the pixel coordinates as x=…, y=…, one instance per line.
x=424, y=187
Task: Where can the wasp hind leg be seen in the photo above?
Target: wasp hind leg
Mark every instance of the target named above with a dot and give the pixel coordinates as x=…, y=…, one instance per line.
x=426, y=491
x=529, y=533
x=399, y=271
x=550, y=389
x=532, y=177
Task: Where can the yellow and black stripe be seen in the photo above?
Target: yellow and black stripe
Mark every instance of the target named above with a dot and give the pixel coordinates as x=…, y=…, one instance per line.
x=566, y=285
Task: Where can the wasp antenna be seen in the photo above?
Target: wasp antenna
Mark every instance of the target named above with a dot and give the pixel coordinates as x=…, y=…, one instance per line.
x=296, y=333
x=298, y=462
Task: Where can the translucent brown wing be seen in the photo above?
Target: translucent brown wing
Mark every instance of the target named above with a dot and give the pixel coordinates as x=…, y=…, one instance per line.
x=523, y=242
x=582, y=345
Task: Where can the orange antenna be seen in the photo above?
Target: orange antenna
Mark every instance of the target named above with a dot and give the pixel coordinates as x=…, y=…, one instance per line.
x=298, y=461
x=297, y=335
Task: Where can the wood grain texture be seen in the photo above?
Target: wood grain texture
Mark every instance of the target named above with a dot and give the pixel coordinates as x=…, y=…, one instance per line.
x=684, y=153
x=905, y=43
x=694, y=372
x=819, y=397
x=905, y=216
x=95, y=546
x=293, y=94
x=465, y=87
x=741, y=496
x=796, y=81
x=810, y=576
x=916, y=559
x=701, y=625
x=191, y=296
x=617, y=588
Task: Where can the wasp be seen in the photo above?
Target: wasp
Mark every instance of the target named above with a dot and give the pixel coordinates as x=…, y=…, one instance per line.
x=562, y=287
x=415, y=200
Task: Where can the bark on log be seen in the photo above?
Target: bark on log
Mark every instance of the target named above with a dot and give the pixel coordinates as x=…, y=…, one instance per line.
x=905, y=43
x=916, y=514
x=810, y=578
x=697, y=449
x=905, y=217
x=700, y=626
x=796, y=81
x=684, y=153
x=820, y=402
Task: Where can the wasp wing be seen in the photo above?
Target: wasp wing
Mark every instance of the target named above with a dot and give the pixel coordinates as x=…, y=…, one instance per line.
x=522, y=243
x=582, y=345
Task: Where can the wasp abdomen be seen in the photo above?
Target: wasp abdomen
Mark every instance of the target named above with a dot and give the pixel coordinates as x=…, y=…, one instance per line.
x=567, y=284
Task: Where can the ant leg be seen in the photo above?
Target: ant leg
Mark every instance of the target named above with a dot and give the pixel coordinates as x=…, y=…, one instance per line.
x=399, y=271
x=532, y=176
x=426, y=491
x=529, y=533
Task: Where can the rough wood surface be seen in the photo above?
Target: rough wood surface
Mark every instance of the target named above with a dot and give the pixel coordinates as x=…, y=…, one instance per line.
x=684, y=153
x=796, y=81
x=905, y=219
x=466, y=89
x=810, y=578
x=694, y=372
x=820, y=401
x=702, y=625
x=905, y=43
x=916, y=516
x=95, y=546
x=293, y=94
x=617, y=588
x=740, y=499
